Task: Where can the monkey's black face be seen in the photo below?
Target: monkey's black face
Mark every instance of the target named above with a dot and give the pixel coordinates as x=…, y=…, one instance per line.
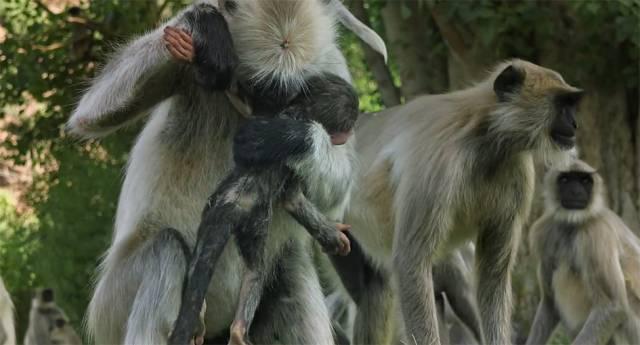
x=564, y=126
x=575, y=189
x=47, y=295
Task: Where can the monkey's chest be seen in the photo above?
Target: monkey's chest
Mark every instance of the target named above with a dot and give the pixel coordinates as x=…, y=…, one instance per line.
x=570, y=297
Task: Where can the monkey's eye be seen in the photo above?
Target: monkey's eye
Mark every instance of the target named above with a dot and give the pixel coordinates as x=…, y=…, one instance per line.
x=563, y=179
x=586, y=180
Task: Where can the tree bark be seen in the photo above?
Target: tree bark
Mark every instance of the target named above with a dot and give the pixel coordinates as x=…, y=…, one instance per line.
x=416, y=48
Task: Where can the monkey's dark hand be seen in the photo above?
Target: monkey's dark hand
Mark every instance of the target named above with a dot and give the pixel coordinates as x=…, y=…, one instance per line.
x=263, y=142
x=215, y=58
x=338, y=244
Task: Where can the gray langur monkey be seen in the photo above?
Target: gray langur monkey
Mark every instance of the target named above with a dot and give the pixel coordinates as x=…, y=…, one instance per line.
x=48, y=323
x=7, y=328
x=180, y=157
x=588, y=263
x=442, y=169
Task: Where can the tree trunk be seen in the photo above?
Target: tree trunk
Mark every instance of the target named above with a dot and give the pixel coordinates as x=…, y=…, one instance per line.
x=388, y=91
x=416, y=48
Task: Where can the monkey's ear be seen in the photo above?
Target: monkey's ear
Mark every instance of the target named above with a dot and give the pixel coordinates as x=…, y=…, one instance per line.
x=508, y=81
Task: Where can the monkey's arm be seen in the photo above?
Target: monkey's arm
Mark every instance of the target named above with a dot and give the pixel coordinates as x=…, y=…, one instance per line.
x=603, y=277
x=328, y=234
x=450, y=275
x=302, y=145
x=547, y=317
x=142, y=74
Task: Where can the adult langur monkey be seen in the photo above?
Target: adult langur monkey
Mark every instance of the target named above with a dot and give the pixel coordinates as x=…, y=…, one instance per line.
x=588, y=263
x=7, y=329
x=445, y=168
x=180, y=157
x=48, y=324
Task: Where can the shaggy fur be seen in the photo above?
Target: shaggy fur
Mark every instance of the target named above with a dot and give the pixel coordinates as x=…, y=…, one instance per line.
x=446, y=168
x=180, y=157
x=588, y=269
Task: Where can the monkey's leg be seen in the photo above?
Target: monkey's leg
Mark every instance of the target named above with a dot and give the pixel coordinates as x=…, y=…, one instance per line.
x=293, y=309
x=251, y=238
x=248, y=301
x=450, y=276
x=496, y=247
x=600, y=325
x=544, y=323
x=370, y=288
x=136, y=300
x=328, y=234
x=227, y=210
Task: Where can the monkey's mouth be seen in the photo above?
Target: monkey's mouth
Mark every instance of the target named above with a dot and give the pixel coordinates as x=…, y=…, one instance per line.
x=574, y=204
x=565, y=141
x=340, y=138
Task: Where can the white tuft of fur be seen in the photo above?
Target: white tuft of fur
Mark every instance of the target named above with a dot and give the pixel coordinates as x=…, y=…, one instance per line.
x=279, y=42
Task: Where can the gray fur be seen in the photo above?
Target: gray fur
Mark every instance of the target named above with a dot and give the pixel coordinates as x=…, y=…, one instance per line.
x=588, y=270
x=446, y=168
x=182, y=153
x=44, y=327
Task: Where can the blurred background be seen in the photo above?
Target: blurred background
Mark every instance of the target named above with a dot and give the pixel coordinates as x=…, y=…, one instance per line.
x=58, y=196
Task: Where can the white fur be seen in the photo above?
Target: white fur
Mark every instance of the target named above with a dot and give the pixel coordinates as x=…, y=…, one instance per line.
x=169, y=178
x=7, y=329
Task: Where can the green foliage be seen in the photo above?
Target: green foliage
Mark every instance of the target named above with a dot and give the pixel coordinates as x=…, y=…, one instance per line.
x=18, y=246
x=365, y=84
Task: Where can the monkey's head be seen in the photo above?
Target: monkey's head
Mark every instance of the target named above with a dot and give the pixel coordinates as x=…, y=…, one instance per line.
x=574, y=194
x=536, y=109
x=279, y=43
x=43, y=297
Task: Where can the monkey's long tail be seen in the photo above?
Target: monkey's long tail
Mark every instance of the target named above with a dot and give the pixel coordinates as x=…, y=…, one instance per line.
x=213, y=235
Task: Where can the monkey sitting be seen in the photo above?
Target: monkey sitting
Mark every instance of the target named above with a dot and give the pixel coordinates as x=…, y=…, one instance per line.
x=589, y=263
x=48, y=324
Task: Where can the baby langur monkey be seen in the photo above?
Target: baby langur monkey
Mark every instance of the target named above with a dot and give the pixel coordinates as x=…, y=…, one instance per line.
x=244, y=200
x=589, y=263
x=48, y=324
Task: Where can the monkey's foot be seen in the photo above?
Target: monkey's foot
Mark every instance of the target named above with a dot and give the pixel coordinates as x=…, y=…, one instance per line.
x=338, y=244
x=238, y=334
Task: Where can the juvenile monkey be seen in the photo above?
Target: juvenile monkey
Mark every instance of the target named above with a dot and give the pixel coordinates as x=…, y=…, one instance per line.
x=7, y=328
x=243, y=203
x=588, y=263
x=48, y=324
